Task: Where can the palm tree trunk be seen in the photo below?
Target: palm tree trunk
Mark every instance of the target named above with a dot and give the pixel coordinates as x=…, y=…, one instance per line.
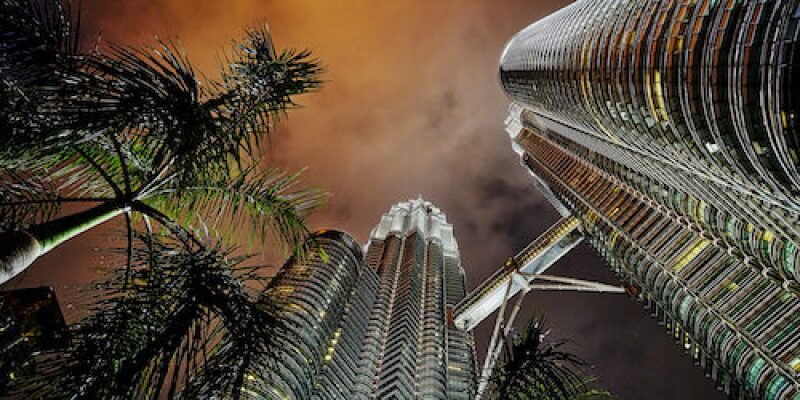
x=19, y=249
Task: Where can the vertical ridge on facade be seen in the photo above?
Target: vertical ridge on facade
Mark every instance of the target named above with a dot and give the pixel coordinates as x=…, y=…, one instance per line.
x=669, y=128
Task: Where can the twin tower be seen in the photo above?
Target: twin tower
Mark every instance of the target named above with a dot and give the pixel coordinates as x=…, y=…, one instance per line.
x=667, y=133
x=373, y=323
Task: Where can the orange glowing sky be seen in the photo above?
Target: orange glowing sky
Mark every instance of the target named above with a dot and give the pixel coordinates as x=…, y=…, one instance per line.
x=412, y=105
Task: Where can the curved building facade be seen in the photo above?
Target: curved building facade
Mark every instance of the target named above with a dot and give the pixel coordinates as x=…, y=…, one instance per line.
x=412, y=349
x=697, y=99
x=311, y=296
x=741, y=326
x=377, y=326
x=708, y=80
x=669, y=128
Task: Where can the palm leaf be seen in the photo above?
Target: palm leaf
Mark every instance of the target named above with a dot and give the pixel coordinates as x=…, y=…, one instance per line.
x=32, y=190
x=538, y=369
x=239, y=362
x=155, y=324
x=39, y=48
x=37, y=35
x=258, y=86
x=255, y=203
x=26, y=200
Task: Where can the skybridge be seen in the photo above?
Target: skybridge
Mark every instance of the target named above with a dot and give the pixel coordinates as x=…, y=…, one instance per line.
x=520, y=275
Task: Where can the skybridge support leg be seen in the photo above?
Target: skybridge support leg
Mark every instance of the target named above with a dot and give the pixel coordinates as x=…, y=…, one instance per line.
x=498, y=341
x=504, y=325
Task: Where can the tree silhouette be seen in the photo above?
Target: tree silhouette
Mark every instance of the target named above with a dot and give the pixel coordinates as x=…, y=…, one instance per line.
x=135, y=132
x=535, y=368
x=182, y=314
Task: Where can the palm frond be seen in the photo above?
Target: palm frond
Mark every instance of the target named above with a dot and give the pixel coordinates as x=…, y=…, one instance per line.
x=37, y=35
x=39, y=48
x=258, y=86
x=153, y=107
x=255, y=203
x=71, y=173
x=26, y=200
x=239, y=362
x=155, y=324
x=32, y=190
x=537, y=368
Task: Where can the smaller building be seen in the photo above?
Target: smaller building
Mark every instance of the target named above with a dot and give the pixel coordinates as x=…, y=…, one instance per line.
x=30, y=322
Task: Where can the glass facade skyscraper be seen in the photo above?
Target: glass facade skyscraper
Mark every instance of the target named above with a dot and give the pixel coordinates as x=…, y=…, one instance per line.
x=412, y=348
x=695, y=98
x=669, y=128
x=313, y=297
x=374, y=324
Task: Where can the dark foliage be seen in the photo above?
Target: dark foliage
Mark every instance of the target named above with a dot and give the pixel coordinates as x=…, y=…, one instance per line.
x=535, y=368
x=179, y=316
x=129, y=125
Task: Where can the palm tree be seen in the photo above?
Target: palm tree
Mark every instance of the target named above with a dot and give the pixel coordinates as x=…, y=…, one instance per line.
x=183, y=319
x=135, y=131
x=535, y=368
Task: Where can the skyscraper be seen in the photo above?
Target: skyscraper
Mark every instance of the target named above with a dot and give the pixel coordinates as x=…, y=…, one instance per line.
x=670, y=130
x=374, y=326
x=314, y=297
x=412, y=349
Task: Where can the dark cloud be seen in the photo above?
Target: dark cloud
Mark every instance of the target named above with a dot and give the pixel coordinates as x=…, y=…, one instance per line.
x=412, y=105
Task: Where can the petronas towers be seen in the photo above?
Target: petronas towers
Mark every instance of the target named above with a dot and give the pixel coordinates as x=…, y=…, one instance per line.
x=666, y=134
x=374, y=324
x=669, y=128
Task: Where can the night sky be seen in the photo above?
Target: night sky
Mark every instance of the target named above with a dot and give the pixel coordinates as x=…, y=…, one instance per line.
x=412, y=105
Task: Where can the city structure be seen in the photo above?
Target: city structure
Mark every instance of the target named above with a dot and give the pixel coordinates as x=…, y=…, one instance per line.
x=376, y=324
x=311, y=296
x=30, y=323
x=669, y=130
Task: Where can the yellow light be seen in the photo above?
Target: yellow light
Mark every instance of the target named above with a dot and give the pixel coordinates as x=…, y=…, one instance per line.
x=795, y=364
x=690, y=254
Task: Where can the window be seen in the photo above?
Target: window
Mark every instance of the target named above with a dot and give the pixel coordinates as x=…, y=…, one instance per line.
x=755, y=372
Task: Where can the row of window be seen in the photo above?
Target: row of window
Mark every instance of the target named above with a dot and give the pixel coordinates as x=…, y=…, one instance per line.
x=771, y=246
x=713, y=367
x=310, y=296
x=339, y=373
x=374, y=339
x=708, y=84
x=684, y=272
x=407, y=346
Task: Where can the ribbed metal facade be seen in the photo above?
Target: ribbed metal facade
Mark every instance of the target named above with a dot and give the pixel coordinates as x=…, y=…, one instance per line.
x=697, y=98
x=670, y=129
x=313, y=297
x=412, y=349
x=379, y=326
x=738, y=324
